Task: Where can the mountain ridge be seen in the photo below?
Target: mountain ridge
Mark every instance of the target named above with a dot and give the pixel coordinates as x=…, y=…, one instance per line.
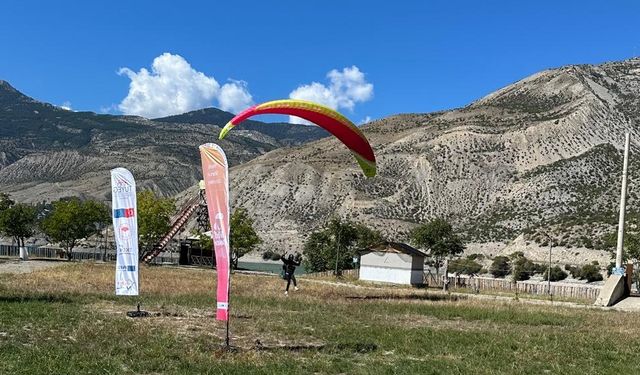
x=473, y=166
x=540, y=157
x=47, y=152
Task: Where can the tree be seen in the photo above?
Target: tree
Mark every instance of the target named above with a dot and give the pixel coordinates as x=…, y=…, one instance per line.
x=204, y=241
x=501, y=266
x=524, y=268
x=591, y=273
x=632, y=253
x=154, y=218
x=19, y=222
x=5, y=201
x=334, y=246
x=438, y=238
x=466, y=266
x=72, y=219
x=557, y=274
x=631, y=246
x=243, y=238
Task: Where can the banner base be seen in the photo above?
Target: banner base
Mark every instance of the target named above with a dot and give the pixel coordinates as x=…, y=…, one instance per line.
x=138, y=313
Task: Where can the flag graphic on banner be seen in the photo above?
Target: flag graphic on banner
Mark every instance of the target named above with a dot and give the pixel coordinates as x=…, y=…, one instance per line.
x=216, y=178
x=125, y=229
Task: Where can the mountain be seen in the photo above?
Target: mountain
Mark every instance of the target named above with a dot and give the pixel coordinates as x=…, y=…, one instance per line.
x=537, y=159
x=541, y=156
x=47, y=152
x=285, y=133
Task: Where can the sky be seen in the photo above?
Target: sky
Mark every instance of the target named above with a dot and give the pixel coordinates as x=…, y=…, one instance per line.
x=368, y=59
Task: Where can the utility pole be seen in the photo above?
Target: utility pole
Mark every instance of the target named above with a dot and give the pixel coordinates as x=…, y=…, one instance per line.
x=106, y=242
x=338, y=248
x=623, y=204
x=549, y=270
x=445, y=276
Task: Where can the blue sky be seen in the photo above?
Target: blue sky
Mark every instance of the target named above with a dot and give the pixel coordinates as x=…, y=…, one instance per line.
x=410, y=56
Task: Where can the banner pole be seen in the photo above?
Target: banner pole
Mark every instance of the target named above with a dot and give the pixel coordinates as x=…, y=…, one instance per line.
x=226, y=341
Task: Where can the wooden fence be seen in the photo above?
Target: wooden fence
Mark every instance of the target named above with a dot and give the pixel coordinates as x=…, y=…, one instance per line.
x=13, y=251
x=488, y=284
x=34, y=251
x=478, y=284
x=353, y=272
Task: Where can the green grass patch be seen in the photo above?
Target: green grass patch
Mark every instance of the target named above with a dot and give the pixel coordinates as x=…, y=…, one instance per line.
x=320, y=329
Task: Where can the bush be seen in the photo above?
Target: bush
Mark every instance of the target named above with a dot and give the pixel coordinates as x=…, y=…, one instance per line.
x=576, y=272
x=591, y=273
x=567, y=267
x=475, y=257
x=500, y=267
x=270, y=255
x=610, y=268
x=524, y=268
x=465, y=266
x=557, y=274
x=338, y=239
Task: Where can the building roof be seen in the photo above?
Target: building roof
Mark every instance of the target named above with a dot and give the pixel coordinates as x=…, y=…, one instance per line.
x=393, y=247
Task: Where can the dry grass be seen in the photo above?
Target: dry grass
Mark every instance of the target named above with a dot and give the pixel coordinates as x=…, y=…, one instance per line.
x=323, y=328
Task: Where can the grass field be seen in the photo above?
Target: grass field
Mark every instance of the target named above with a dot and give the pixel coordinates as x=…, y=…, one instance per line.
x=66, y=320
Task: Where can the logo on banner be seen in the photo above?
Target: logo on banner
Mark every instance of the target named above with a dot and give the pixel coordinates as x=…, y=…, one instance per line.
x=223, y=305
x=218, y=235
x=125, y=250
x=124, y=235
x=127, y=268
x=124, y=284
x=121, y=186
x=123, y=212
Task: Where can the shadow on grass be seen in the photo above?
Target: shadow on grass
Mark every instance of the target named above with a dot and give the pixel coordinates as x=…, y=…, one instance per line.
x=356, y=347
x=410, y=297
x=34, y=298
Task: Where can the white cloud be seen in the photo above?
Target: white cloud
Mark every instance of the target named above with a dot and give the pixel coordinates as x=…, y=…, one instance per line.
x=234, y=96
x=66, y=106
x=109, y=109
x=365, y=120
x=173, y=86
x=345, y=89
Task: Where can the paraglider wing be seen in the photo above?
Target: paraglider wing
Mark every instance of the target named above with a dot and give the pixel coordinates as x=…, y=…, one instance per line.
x=325, y=117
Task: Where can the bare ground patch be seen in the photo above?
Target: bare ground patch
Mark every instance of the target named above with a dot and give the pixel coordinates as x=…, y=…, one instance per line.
x=194, y=323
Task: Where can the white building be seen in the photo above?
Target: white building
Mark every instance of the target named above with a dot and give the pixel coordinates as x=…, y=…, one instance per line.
x=392, y=262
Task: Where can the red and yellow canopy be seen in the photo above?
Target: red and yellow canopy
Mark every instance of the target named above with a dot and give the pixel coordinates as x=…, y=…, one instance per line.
x=323, y=116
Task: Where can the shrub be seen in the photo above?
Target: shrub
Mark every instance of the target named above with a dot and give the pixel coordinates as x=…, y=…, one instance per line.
x=475, y=256
x=500, y=267
x=465, y=266
x=270, y=255
x=610, y=268
x=275, y=256
x=557, y=274
x=524, y=268
x=591, y=273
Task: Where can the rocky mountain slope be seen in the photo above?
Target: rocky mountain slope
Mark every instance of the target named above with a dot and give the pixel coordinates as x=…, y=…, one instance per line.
x=541, y=156
x=47, y=152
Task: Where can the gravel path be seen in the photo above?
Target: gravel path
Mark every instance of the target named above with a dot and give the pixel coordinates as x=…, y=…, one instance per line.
x=18, y=266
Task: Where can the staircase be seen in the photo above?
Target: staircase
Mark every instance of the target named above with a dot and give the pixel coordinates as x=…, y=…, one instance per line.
x=179, y=222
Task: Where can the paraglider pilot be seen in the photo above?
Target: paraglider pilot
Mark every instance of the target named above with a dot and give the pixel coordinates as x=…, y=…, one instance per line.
x=289, y=267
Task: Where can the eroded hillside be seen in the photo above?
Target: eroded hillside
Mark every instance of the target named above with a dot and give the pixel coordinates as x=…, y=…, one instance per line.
x=544, y=151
